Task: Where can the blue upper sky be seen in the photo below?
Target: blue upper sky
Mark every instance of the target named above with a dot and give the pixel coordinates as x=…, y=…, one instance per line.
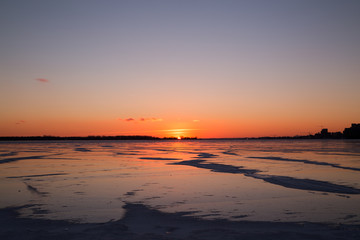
x=222, y=55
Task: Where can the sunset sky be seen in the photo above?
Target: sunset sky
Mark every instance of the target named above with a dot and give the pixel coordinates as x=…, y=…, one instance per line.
x=200, y=68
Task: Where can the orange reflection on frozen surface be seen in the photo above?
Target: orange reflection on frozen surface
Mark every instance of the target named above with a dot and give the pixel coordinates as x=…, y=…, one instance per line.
x=90, y=181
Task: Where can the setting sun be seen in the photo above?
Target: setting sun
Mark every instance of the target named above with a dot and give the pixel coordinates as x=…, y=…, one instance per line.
x=179, y=138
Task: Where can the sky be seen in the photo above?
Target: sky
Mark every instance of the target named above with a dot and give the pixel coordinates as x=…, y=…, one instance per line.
x=200, y=68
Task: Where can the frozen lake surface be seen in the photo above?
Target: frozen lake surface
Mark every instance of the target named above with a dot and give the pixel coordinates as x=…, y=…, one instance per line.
x=237, y=180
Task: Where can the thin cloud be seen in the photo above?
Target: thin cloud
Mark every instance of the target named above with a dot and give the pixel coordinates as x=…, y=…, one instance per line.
x=42, y=80
x=196, y=120
x=20, y=122
x=152, y=119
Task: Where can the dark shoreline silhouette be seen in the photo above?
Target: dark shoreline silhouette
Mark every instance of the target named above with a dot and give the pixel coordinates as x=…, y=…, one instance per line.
x=55, y=138
x=50, y=138
x=352, y=132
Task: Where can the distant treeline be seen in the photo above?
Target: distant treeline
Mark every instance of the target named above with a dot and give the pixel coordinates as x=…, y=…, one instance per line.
x=49, y=138
x=352, y=132
x=42, y=138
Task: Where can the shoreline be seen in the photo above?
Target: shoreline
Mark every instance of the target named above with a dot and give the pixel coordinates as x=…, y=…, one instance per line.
x=352, y=132
x=61, y=139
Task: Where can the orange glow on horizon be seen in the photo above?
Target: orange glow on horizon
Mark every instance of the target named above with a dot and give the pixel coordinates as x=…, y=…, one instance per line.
x=205, y=127
x=252, y=78
x=168, y=127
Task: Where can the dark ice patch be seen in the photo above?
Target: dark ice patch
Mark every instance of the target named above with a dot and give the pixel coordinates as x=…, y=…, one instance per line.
x=7, y=160
x=9, y=154
x=142, y=222
x=217, y=167
x=82, y=150
x=307, y=162
x=206, y=155
x=126, y=153
x=34, y=190
x=288, y=182
x=230, y=153
x=240, y=216
x=307, y=184
x=39, y=175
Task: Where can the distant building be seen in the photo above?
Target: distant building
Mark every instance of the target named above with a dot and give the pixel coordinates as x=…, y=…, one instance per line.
x=324, y=132
x=352, y=132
